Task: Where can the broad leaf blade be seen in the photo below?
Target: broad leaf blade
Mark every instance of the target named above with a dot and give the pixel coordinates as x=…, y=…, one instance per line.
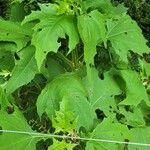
x=133, y=118
x=92, y=31
x=70, y=87
x=108, y=130
x=16, y=141
x=102, y=95
x=49, y=29
x=24, y=71
x=14, y=32
x=125, y=35
x=104, y=6
x=140, y=135
x=135, y=91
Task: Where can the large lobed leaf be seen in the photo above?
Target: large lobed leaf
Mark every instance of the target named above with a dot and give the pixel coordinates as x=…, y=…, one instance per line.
x=69, y=87
x=102, y=95
x=125, y=35
x=50, y=28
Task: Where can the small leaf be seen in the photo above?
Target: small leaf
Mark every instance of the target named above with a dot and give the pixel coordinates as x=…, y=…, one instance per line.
x=65, y=120
x=61, y=145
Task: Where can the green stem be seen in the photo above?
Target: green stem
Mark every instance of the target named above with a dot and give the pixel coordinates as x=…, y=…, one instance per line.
x=65, y=60
x=75, y=58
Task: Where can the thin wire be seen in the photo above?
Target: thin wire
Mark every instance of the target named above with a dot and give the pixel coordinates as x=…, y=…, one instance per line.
x=74, y=138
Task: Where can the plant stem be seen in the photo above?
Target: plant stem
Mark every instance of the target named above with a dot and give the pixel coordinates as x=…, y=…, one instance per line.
x=75, y=58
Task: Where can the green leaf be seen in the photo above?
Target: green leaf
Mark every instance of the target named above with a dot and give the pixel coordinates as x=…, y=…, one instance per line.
x=14, y=32
x=92, y=31
x=65, y=120
x=8, y=46
x=16, y=141
x=7, y=61
x=146, y=67
x=104, y=6
x=140, y=135
x=108, y=130
x=3, y=99
x=61, y=145
x=17, y=11
x=51, y=28
x=135, y=91
x=102, y=95
x=125, y=35
x=24, y=71
x=67, y=86
x=133, y=118
x=45, y=12
x=53, y=67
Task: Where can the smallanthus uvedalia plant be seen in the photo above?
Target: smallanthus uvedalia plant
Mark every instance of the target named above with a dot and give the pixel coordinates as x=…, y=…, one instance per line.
x=73, y=68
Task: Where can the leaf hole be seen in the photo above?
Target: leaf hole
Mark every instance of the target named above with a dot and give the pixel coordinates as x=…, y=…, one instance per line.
x=128, y=108
x=39, y=30
x=119, y=116
x=101, y=76
x=100, y=114
x=10, y=109
x=71, y=7
x=129, y=127
x=46, y=66
x=16, y=56
x=110, y=107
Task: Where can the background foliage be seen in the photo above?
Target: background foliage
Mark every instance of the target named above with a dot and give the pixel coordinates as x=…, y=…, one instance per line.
x=74, y=68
